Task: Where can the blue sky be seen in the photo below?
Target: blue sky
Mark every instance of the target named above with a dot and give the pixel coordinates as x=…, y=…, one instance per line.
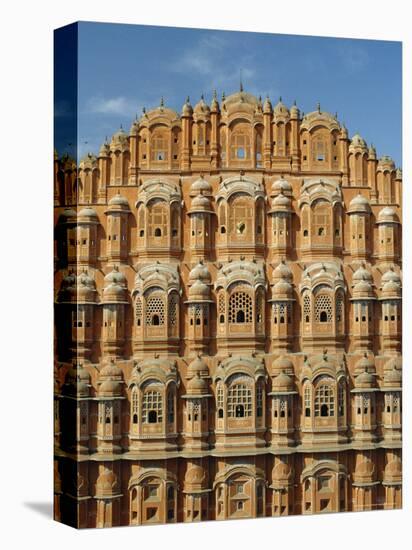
x=125, y=67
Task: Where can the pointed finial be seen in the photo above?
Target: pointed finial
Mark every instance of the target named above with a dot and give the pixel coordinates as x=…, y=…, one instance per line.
x=144, y=110
x=318, y=106
x=240, y=81
x=121, y=126
x=202, y=97
x=336, y=114
x=214, y=94
x=162, y=102
x=280, y=99
x=294, y=102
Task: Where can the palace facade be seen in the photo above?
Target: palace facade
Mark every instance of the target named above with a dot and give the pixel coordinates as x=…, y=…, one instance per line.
x=228, y=319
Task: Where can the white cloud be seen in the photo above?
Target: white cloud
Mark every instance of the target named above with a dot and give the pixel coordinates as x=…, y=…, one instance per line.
x=210, y=60
x=119, y=105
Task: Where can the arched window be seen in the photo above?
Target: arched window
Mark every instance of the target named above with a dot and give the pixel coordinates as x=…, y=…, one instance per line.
x=240, y=149
x=319, y=149
x=221, y=307
x=241, y=210
x=323, y=308
x=258, y=150
x=152, y=407
x=322, y=216
x=159, y=146
x=339, y=307
x=155, y=310
x=324, y=400
x=341, y=398
x=220, y=400
x=259, y=306
x=240, y=308
x=306, y=308
x=138, y=310
x=307, y=400
x=173, y=309
x=170, y=406
x=135, y=405
x=158, y=218
x=239, y=400
x=259, y=399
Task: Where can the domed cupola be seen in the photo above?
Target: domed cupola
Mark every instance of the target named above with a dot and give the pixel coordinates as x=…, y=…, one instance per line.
x=118, y=202
x=390, y=275
x=387, y=215
x=267, y=105
x=77, y=381
x=385, y=164
x=201, y=203
x=115, y=287
x=294, y=111
x=282, y=271
x=281, y=203
x=280, y=111
x=214, y=106
x=281, y=186
x=87, y=215
x=110, y=382
x=197, y=367
x=104, y=150
x=359, y=204
x=200, y=187
x=86, y=288
x=282, y=364
x=362, y=274
x=358, y=144
x=197, y=386
x=201, y=108
x=119, y=142
x=187, y=109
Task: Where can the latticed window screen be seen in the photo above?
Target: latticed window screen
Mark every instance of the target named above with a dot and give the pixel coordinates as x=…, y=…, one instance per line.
x=339, y=307
x=306, y=308
x=221, y=304
x=324, y=401
x=323, y=308
x=307, y=399
x=396, y=402
x=193, y=408
x=240, y=308
x=239, y=400
x=319, y=150
x=152, y=407
x=155, y=311
x=135, y=405
x=259, y=307
x=138, y=309
x=322, y=217
x=241, y=215
x=366, y=403
x=173, y=305
x=282, y=312
x=341, y=398
x=220, y=396
x=170, y=407
x=259, y=399
x=159, y=147
x=240, y=146
x=158, y=218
